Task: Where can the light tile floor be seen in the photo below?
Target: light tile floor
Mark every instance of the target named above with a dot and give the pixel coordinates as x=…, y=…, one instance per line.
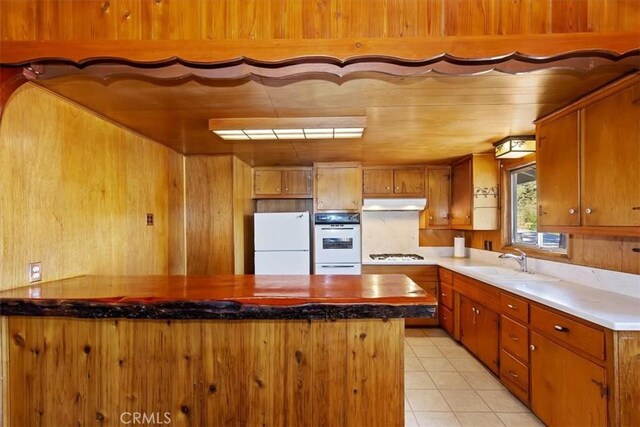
x=445, y=386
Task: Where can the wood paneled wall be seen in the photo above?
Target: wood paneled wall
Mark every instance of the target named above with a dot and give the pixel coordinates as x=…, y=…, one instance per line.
x=76, y=190
x=606, y=252
x=306, y=19
x=219, y=215
x=74, y=195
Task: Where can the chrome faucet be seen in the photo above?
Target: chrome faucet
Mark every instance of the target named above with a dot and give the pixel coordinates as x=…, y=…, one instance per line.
x=522, y=259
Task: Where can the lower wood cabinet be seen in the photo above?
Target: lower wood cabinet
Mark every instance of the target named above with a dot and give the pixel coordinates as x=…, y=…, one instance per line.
x=425, y=276
x=566, y=388
x=480, y=332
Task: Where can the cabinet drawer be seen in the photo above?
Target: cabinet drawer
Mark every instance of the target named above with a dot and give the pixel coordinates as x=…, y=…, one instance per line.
x=446, y=296
x=513, y=372
x=515, y=308
x=583, y=337
x=445, y=276
x=515, y=338
x=478, y=291
x=446, y=319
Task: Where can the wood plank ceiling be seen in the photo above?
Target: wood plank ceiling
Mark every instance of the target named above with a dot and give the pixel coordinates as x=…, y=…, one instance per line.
x=425, y=119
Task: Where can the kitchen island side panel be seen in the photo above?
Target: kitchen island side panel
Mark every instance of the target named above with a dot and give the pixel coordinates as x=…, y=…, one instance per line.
x=67, y=371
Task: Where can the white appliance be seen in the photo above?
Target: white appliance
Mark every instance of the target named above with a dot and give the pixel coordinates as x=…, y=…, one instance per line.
x=337, y=243
x=282, y=243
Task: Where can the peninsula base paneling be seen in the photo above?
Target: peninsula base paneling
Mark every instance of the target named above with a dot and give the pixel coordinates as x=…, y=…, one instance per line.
x=274, y=373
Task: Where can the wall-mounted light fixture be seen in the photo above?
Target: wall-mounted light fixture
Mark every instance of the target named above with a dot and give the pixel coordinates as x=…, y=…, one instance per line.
x=288, y=128
x=514, y=147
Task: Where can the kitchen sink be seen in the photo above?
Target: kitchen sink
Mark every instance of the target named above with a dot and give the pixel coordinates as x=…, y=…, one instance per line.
x=507, y=275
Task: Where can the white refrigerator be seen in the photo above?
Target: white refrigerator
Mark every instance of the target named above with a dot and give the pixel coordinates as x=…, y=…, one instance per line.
x=282, y=243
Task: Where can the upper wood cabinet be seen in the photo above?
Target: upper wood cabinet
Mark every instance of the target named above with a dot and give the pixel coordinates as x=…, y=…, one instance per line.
x=557, y=159
x=438, y=191
x=588, y=161
x=611, y=160
x=282, y=183
x=474, y=193
x=338, y=187
x=393, y=181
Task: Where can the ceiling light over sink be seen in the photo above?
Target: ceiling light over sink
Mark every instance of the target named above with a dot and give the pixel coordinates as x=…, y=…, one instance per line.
x=514, y=147
x=288, y=128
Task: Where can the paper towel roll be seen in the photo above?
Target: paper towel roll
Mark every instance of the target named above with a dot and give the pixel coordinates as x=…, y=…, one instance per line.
x=458, y=247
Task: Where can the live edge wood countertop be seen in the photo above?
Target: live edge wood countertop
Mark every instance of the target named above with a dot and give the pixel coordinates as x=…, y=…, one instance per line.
x=222, y=297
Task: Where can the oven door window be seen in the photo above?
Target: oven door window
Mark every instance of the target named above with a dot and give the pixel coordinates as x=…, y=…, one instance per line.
x=337, y=243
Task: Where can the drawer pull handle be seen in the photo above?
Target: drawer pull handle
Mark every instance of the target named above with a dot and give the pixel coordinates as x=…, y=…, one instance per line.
x=513, y=337
x=512, y=307
x=513, y=374
x=561, y=328
x=444, y=295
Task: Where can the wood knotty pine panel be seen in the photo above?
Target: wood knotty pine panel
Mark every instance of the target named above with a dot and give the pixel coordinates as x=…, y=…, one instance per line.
x=306, y=19
x=274, y=373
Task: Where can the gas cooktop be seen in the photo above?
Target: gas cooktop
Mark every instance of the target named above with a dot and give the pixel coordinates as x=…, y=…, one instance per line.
x=396, y=257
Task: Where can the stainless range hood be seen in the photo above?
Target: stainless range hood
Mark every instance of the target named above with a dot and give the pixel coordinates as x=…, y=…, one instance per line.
x=394, y=204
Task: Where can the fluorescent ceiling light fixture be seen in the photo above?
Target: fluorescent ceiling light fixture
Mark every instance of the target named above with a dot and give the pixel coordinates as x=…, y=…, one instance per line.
x=289, y=128
x=515, y=147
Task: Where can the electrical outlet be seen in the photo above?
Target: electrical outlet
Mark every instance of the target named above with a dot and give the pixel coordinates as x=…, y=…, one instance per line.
x=35, y=272
x=149, y=219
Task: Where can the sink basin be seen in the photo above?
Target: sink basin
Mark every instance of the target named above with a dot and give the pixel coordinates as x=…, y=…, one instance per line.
x=507, y=275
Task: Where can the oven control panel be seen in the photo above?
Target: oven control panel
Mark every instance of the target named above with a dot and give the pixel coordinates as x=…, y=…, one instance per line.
x=337, y=218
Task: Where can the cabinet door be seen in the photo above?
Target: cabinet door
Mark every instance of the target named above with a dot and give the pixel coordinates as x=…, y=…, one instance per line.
x=408, y=181
x=377, y=181
x=468, y=330
x=488, y=336
x=439, y=191
x=267, y=182
x=461, y=194
x=558, y=171
x=611, y=160
x=298, y=182
x=566, y=389
x=338, y=188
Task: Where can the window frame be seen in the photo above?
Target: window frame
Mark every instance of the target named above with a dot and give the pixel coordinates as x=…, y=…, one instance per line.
x=508, y=166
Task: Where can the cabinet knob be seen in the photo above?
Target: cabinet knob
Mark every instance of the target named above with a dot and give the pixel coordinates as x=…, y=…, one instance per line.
x=388, y=188
x=477, y=311
x=588, y=211
x=532, y=347
x=286, y=188
x=397, y=188
x=468, y=216
x=431, y=218
x=572, y=211
x=277, y=188
x=443, y=294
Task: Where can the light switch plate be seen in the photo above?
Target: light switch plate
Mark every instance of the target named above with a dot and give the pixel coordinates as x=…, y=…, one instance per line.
x=35, y=272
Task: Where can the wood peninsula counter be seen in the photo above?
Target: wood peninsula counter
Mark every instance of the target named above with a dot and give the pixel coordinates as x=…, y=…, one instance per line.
x=209, y=350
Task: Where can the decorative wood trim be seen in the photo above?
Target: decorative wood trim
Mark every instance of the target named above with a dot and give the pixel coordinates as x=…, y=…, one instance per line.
x=533, y=47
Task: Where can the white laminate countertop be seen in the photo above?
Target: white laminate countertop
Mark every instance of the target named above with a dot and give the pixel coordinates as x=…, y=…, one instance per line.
x=609, y=309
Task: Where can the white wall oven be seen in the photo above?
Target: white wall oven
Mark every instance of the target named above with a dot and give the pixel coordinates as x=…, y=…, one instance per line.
x=337, y=243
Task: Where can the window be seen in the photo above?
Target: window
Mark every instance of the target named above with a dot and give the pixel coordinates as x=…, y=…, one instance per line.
x=524, y=217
